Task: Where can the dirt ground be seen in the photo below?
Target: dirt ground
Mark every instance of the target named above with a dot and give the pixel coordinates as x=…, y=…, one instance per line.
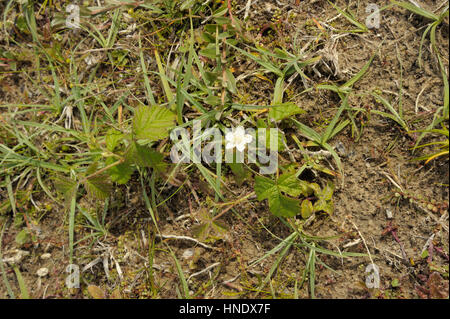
x=386, y=203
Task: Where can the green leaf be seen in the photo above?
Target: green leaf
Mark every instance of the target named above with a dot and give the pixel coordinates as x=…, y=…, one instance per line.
x=97, y=186
x=231, y=82
x=113, y=138
x=307, y=208
x=22, y=286
x=67, y=187
x=327, y=192
x=219, y=228
x=287, y=183
x=283, y=206
x=212, y=100
x=144, y=156
x=279, y=136
x=424, y=254
x=209, y=52
x=152, y=123
x=325, y=206
x=200, y=231
x=165, y=83
x=239, y=171
x=187, y=4
x=120, y=173
x=267, y=65
x=415, y=9
x=209, y=229
x=278, y=91
x=279, y=204
x=395, y=283
x=281, y=111
x=306, y=189
x=316, y=189
x=23, y=237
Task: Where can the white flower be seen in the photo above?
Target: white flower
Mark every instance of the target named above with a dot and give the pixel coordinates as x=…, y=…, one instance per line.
x=237, y=138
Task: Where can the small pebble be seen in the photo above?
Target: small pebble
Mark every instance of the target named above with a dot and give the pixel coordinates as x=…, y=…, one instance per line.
x=389, y=214
x=188, y=253
x=42, y=272
x=17, y=258
x=46, y=256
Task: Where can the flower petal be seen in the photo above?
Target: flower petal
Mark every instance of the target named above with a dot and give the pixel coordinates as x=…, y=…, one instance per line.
x=240, y=131
x=229, y=145
x=240, y=147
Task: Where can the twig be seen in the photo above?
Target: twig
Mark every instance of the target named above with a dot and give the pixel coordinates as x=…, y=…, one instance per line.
x=229, y=11
x=120, y=161
x=247, y=8
x=135, y=4
x=364, y=241
x=204, y=270
x=184, y=238
x=393, y=231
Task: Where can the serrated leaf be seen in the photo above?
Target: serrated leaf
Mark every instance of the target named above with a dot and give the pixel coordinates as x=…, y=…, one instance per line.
x=289, y=184
x=284, y=110
x=320, y=205
x=200, y=231
x=283, y=206
x=219, y=228
x=67, y=187
x=329, y=209
x=239, y=171
x=98, y=186
x=120, y=173
x=152, y=123
x=279, y=204
x=112, y=139
x=144, y=156
x=307, y=208
x=209, y=228
x=264, y=187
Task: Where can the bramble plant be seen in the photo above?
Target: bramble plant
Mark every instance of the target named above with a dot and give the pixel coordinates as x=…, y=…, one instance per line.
x=240, y=123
